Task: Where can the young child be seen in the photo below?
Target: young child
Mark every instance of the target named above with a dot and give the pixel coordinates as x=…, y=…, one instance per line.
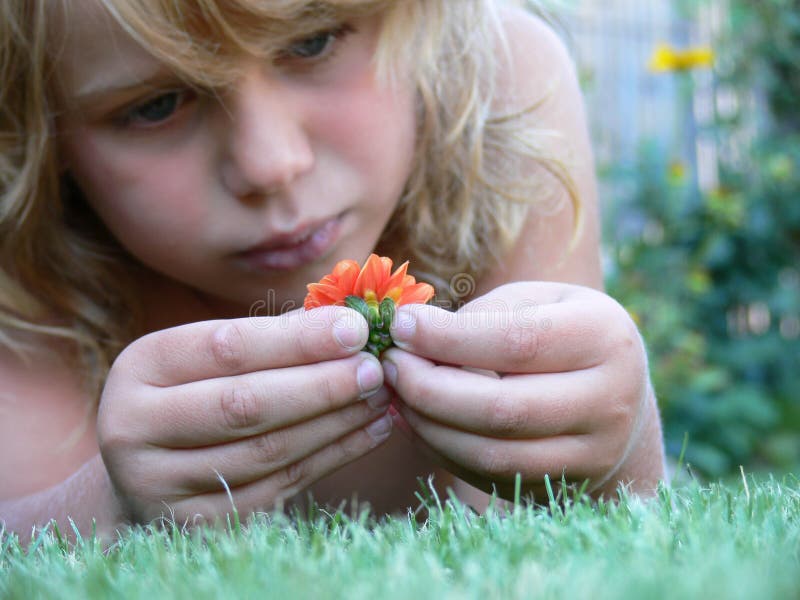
x=175, y=172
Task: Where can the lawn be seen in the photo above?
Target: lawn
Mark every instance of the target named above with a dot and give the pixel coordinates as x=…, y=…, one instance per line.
x=739, y=540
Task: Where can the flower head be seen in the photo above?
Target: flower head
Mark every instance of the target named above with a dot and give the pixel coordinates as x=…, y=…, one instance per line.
x=373, y=290
x=374, y=283
x=667, y=58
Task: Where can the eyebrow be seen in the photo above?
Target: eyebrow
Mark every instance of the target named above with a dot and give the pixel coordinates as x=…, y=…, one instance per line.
x=92, y=92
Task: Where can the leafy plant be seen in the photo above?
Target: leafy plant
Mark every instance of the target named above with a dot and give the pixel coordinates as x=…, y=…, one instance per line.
x=713, y=277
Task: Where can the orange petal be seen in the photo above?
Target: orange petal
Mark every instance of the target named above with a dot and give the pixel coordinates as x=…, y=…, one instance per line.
x=408, y=280
x=326, y=294
x=311, y=302
x=374, y=282
x=386, y=262
x=371, y=275
x=394, y=293
x=419, y=293
x=343, y=266
x=334, y=292
x=395, y=281
x=328, y=280
x=346, y=272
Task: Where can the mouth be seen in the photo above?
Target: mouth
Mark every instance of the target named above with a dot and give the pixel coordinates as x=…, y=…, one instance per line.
x=295, y=249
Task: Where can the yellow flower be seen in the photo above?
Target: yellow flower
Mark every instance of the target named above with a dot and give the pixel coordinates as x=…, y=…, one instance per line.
x=677, y=171
x=666, y=58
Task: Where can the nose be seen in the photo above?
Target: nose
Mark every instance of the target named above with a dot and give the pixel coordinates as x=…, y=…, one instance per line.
x=267, y=145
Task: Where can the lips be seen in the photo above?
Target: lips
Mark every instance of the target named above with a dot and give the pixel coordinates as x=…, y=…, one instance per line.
x=295, y=249
x=287, y=240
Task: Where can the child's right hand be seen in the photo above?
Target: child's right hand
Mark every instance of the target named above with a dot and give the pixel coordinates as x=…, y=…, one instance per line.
x=271, y=404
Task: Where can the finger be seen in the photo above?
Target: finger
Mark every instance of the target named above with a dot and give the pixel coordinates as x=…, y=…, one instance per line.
x=210, y=349
x=221, y=410
x=484, y=461
x=254, y=458
x=519, y=337
x=267, y=493
x=513, y=407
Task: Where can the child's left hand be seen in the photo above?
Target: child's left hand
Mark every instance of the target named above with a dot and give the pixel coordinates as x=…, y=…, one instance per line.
x=533, y=377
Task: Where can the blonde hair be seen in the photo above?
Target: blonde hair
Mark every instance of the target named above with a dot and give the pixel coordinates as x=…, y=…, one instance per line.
x=63, y=276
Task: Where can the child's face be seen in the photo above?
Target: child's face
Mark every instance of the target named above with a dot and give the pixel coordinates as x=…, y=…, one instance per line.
x=187, y=182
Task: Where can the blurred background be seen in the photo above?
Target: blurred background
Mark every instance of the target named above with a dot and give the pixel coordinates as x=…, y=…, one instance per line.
x=695, y=114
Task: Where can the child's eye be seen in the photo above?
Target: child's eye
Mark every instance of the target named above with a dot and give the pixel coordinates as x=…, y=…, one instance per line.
x=318, y=46
x=311, y=47
x=154, y=111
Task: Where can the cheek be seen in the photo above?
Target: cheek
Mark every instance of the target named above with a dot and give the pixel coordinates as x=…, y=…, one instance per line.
x=142, y=197
x=374, y=128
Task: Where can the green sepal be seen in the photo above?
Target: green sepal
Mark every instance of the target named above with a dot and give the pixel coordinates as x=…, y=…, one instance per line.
x=387, y=314
x=374, y=318
x=358, y=304
x=379, y=318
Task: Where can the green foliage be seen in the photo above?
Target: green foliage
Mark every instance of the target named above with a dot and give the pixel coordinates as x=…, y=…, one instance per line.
x=727, y=541
x=714, y=278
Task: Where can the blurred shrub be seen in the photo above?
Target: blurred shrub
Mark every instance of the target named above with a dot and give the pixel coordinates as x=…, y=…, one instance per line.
x=713, y=278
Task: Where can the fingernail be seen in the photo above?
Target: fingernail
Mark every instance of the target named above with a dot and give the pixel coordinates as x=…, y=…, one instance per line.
x=351, y=334
x=403, y=326
x=379, y=430
x=379, y=400
x=369, y=376
x=389, y=372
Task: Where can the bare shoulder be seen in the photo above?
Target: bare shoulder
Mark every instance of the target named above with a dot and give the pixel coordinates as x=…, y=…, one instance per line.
x=537, y=80
x=535, y=62
x=528, y=31
x=47, y=422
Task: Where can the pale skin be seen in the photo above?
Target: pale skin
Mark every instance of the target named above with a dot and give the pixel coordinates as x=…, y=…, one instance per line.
x=283, y=404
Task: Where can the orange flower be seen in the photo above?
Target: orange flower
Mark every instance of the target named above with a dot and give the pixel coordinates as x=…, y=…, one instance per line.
x=374, y=283
x=374, y=291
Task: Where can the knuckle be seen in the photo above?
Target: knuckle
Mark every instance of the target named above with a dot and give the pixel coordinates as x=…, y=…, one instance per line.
x=303, y=346
x=417, y=387
x=623, y=415
x=625, y=339
x=239, y=406
x=354, y=417
x=335, y=385
x=325, y=389
x=316, y=338
x=114, y=440
x=271, y=448
x=350, y=448
x=126, y=357
x=604, y=453
x=133, y=361
x=623, y=336
x=116, y=430
x=226, y=345
x=321, y=389
x=520, y=344
x=603, y=461
x=506, y=414
x=293, y=475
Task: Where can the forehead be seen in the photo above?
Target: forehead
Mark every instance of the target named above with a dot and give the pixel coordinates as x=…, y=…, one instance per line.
x=199, y=40
x=93, y=51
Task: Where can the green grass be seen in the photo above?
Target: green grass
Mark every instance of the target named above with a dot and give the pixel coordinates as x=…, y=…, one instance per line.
x=726, y=541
